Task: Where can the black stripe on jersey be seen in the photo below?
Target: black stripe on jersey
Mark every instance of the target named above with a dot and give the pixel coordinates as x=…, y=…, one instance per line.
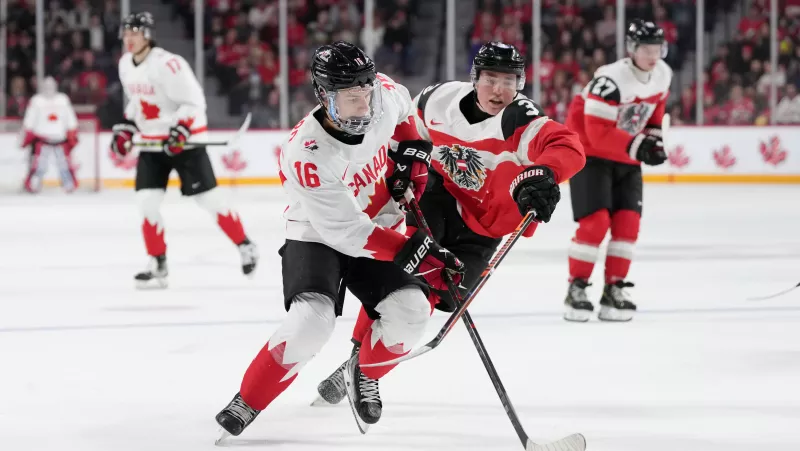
x=424, y=96
x=519, y=113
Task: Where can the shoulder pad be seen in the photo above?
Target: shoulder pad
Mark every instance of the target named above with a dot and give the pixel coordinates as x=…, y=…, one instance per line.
x=424, y=96
x=604, y=87
x=519, y=113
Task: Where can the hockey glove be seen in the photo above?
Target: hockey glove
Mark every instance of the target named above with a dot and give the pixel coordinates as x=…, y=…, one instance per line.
x=122, y=139
x=72, y=141
x=412, y=160
x=178, y=135
x=422, y=256
x=535, y=188
x=647, y=148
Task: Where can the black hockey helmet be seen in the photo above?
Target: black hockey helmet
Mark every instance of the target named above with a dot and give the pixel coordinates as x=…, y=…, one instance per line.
x=644, y=32
x=499, y=57
x=340, y=66
x=143, y=22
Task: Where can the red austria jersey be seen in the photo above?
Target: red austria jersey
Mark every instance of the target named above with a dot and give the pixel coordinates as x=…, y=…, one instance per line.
x=337, y=191
x=479, y=160
x=618, y=104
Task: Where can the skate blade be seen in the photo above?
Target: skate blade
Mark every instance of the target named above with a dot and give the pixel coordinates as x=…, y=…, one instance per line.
x=350, y=385
x=152, y=284
x=223, y=438
x=611, y=314
x=577, y=315
x=320, y=402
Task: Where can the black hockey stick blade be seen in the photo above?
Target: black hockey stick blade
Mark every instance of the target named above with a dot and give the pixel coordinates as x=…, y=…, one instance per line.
x=454, y=317
x=764, y=298
x=229, y=143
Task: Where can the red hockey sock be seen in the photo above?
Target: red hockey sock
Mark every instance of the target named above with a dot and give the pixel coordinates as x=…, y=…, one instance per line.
x=154, y=238
x=266, y=377
x=232, y=226
x=378, y=352
x=586, y=244
x=624, y=233
x=363, y=326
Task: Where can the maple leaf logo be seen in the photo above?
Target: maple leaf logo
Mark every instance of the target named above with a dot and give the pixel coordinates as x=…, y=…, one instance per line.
x=149, y=110
x=234, y=161
x=125, y=163
x=771, y=151
x=311, y=145
x=52, y=117
x=678, y=158
x=724, y=157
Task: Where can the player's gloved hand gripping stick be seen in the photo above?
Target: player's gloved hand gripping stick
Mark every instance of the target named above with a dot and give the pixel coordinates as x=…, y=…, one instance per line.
x=574, y=442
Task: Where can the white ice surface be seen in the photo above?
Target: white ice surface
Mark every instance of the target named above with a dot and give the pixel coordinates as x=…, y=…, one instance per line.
x=87, y=363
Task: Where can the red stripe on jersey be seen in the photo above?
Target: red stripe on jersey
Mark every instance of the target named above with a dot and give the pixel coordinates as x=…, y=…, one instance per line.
x=385, y=243
x=378, y=199
x=655, y=98
x=600, y=137
x=406, y=130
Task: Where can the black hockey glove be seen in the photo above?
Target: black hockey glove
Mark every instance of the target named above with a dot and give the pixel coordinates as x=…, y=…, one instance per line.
x=536, y=188
x=647, y=148
x=422, y=256
x=412, y=160
x=176, y=141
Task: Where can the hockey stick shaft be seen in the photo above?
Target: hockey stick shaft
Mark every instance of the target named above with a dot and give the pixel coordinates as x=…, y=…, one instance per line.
x=498, y=258
x=416, y=212
x=234, y=139
x=576, y=442
x=771, y=296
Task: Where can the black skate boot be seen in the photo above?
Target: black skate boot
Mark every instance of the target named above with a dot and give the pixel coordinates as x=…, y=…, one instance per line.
x=576, y=304
x=364, y=395
x=332, y=390
x=249, y=253
x=155, y=276
x=616, y=305
x=236, y=416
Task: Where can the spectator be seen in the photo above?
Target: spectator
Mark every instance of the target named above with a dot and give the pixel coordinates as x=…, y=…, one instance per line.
x=788, y=109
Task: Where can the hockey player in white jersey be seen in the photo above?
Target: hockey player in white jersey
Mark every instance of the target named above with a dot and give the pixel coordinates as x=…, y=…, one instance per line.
x=618, y=116
x=50, y=130
x=167, y=105
x=344, y=230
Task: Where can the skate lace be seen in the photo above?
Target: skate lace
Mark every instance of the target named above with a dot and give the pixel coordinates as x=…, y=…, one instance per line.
x=249, y=253
x=239, y=409
x=578, y=293
x=619, y=294
x=369, y=389
x=337, y=378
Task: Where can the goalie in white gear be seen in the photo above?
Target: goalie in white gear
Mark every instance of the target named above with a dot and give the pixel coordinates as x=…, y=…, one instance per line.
x=167, y=105
x=50, y=128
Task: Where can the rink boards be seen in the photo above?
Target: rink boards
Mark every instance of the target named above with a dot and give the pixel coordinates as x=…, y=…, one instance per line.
x=696, y=154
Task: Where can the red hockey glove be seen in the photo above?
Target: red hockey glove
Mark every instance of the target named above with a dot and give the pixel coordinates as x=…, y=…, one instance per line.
x=412, y=160
x=535, y=188
x=647, y=148
x=72, y=141
x=178, y=135
x=422, y=256
x=122, y=139
x=29, y=139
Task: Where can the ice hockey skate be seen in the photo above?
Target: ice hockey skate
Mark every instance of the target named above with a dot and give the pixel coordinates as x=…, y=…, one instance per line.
x=576, y=304
x=616, y=304
x=235, y=417
x=332, y=389
x=363, y=394
x=154, y=276
x=249, y=254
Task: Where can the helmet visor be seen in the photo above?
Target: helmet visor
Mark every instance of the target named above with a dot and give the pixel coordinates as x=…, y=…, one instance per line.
x=355, y=110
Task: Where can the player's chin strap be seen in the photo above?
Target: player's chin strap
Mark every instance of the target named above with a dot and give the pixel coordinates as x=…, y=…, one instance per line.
x=574, y=442
x=229, y=143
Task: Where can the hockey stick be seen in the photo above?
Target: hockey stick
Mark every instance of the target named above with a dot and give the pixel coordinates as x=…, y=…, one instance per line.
x=574, y=442
x=451, y=321
x=229, y=143
x=764, y=298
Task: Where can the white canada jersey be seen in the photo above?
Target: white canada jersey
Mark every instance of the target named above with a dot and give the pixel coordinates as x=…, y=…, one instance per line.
x=337, y=192
x=162, y=91
x=50, y=118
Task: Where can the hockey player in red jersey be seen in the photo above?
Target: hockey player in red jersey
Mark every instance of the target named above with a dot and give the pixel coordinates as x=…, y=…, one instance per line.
x=344, y=230
x=167, y=105
x=485, y=134
x=618, y=116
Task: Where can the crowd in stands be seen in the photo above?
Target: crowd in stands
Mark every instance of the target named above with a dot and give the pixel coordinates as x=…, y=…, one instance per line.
x=81, y=51
x=241, y=43
x=242, y=46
